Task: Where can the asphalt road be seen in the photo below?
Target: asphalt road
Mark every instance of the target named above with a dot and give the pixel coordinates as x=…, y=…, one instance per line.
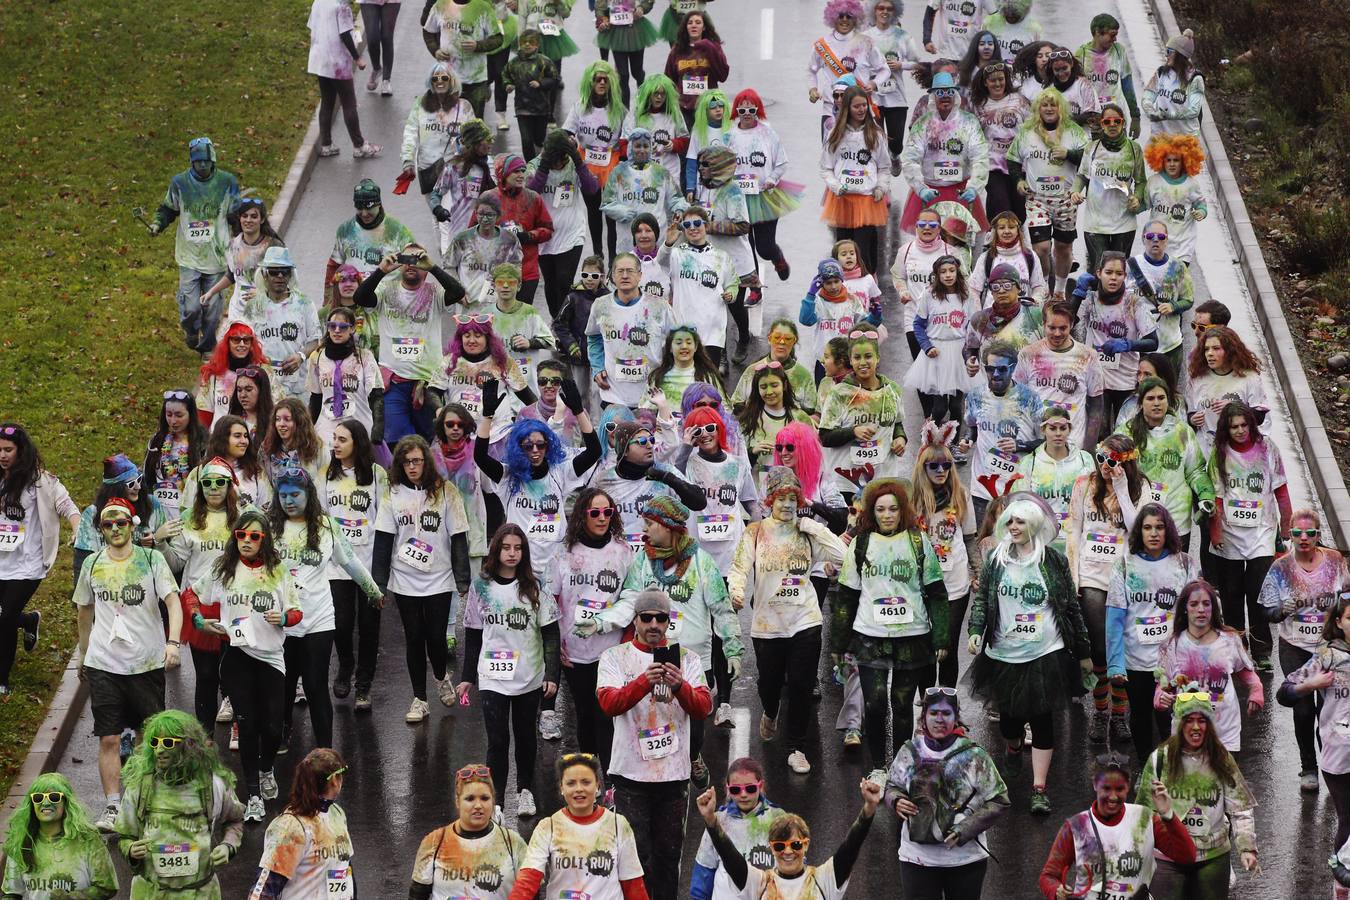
x=400, y=777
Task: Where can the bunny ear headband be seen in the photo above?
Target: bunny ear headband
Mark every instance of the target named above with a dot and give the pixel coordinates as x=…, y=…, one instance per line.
x=940, y=435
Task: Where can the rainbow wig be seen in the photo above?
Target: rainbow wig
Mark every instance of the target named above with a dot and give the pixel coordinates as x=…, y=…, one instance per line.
x=701, y=390
x=1160, y=146
x=613, y=100
x=517, y=462
x=706, y=416
x=835, y=8
x=609, y=420
x=496, y=348
x=809, y=457
x=749, y=97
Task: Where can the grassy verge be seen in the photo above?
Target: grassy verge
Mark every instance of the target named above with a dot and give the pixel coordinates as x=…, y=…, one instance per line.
x=96, y=119
x=1278, y=97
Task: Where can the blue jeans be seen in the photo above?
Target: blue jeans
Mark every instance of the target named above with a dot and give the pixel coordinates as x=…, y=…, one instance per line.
x=400, y=418
x=199, y=322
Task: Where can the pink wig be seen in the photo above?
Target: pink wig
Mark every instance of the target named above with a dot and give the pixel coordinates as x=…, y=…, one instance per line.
x=808, y=459
x=496, y=349
x=834, y=8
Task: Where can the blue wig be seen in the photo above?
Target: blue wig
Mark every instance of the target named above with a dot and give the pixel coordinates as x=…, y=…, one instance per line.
x=517, y=463
x=613, y=415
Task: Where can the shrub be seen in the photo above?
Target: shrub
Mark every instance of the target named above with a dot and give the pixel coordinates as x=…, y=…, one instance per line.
x=1317, y=239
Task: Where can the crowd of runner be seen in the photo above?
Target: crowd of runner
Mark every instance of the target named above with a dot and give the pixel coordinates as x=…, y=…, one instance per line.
x=568, y=491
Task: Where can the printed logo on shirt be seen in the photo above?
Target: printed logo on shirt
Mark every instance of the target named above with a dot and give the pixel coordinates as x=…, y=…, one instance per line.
x=258, y=601
x=13, y=511
x=1170, y=458
x=650, y=195
x=1256, y=482
x=760, y=857
x=968, y=8
x=681, y=591
x=430, y=520
x=1129, y=864
x=638, y=336
x=305, y=556
x=34, y=883
x=371, y=256
x=1067, y=383
x=758, y=159
x=604, y=134
x=360, y=501
x=1006, y=428
x=1030, y=594
x=606, y=580
x=487, y=877
x=1178, y=95
x=598, y=863
x=895, y=570
x=955, y=146
x=1165, y=598
x=849, y=63
x=708, y=279
x=130, y=595
x=1015, y=46
x=1116, y=329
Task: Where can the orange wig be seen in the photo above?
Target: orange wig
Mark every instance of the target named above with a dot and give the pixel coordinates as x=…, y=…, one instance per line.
x=1184, y=145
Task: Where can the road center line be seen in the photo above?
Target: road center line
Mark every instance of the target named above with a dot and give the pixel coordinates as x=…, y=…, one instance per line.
x=766, y=34
x=740, y=735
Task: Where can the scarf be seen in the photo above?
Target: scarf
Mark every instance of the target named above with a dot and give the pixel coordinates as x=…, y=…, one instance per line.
x=455, y=458
x=338, y=353
x=1115, y=144
x=855, y=272
x=681, y=552
x=835, y=298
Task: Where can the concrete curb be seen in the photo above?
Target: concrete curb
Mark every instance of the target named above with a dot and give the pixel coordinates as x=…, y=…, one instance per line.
x=1311, y=433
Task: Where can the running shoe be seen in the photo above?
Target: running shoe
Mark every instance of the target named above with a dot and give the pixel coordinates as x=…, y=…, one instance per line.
x=342, y=684
x=373, y=81
x=525, y=805
x=1307, y=782
x=698, y=773
x=1012, y=757
x=226, y=711
x=417, y=711
x=741, y=353
x=267, y=784
x=107, y=822
x=768, y=728
x=722, y=718
x=503, y=125
x=1040, y=802
x=367, y=151
x=991, y=713
x=798, y=762
x=234, y=737
x=1026, y=736
x=386, y=89
x=1264, y=665
x=300, y=698
x=1097, y=726
x=445, y=689
x=550, y=726
x=1120, y=728
x=783, y=269
x=754, y=296
x=895, y=168
x=255, y=811
x=362, y=703
x=30, y=635
x=852, y=737
x=329, y=150
x=4, y=692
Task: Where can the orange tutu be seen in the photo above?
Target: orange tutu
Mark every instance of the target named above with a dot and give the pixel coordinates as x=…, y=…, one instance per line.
x=853, y=210
x=602, y=173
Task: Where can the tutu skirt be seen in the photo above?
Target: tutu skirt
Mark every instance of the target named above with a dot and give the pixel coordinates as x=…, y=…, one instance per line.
x=944, y=375
x=853, y=210
x=914, y=206
x=1023, y=690
x=628, y=38
x=670, y=25
x=558, y=46
x=602, y=173
x=776, y=202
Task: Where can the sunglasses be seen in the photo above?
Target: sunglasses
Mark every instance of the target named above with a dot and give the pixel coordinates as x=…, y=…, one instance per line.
x=736, y=790
x=943, y=92
x=747, y=111
x=39, y=797
x=796, y=846
x=240, y=339
x=1113, y=121
x=591, y=276
x=1192, y=695
x=1154, y=236
x=245, y=534
x=552, y=381
x=473, y=320
x=869, y=335
x=439, y=79
x=691, y=224
x=768, y=364
x=340, y=326
x=939, y=689
x=468, y=772
x=1061, y=54
x=248, y=372
x=567, y=757
x=451, y=424
x=533, y=445
x=600, y=512
x=168, y=743
x=134, y=484
x=926, y=224
x=1304, y=532
x=644, y=441
x=785, y=448
x=647, y=618
x=215, y=481
x=1109, y=459
x=996, y=369
x=176, y=395
x=110, y=524
x=937, y=465
x=277, y=273
x=700, y=430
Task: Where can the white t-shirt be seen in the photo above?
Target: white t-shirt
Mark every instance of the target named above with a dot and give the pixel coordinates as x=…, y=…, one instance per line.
x=890, y=585
x=727, y=484
x=584, y=862
x=1131, y=318
x=423, y=532
x=21, y=540
x=1250, y=514
x=512, y=659
x=313, y=853
x=353, y=508
x=815, y=883
x=1210, y=667
x=411, y=333
x=634, y=338
x=699, y=276
x=243, y=603
x=328, y=57
x=360, y=376
x=536, y=506
x=587, y=583
x=651, y=740
x=283, y=328
x=1065, y=378
x=128, y=634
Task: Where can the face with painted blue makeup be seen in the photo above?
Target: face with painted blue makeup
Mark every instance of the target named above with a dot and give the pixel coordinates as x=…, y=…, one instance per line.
x=292, y=501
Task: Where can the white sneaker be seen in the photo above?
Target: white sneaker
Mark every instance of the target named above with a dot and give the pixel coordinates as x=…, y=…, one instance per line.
x=417, y=711
x=525, y=805
x=107, y=822
x=798, y=762
x=234, y=737
x=226, y=711
x=300, y=698
x=267, y=784
x=373, y=81
x=386, y=89
x=255, y=811
x=367, y=151
x=722, y=718
x=445, y=689
x=550, y=728
x=767, y=727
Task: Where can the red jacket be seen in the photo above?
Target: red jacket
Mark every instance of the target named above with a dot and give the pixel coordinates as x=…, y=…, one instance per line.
x=527, y=210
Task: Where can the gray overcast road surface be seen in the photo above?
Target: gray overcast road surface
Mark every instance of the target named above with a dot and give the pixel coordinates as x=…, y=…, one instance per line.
x=399, y=783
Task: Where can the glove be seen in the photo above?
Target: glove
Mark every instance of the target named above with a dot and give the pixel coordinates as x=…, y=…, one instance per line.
x=1117, y=345
x=1134, y=125
x=492, y=397
x=734, y=667
x=586, y=628
x=815, y=286
x=571, y=396
x=974, y=643
x=967, y=196
x=440, y=214
x=1085, y=283
x=657, y=472
x=928, y=195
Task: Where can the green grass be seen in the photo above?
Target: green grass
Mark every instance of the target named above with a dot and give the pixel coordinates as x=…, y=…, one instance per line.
x=102, y=100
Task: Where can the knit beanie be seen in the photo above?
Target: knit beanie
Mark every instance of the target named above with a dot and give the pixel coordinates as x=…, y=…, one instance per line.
x=779, y=480
x=666, y=511
x=117, y=469
x=652, y=600
x=624, y=432
x=474, y=131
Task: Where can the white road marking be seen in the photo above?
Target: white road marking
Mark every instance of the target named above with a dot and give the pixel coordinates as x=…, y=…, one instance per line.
x=740, y=735
x=766, y=34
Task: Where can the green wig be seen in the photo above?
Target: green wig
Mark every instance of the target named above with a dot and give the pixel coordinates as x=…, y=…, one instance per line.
x=701, y=114
x=657, y=84
x=614, y=105
x=23, y=826
x=197, y=761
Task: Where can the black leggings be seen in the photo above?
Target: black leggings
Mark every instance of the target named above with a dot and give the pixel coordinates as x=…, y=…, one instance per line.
x=14, y=596
x=948, y=668
x=353, y=611
x=696, y=726
x=942, y=407
x=532, y=132
x=379, y=22
x=1207, y=880
x=309, y=656
x=797, y=659
x=1143, y=717
x=1000, y=195
x=720, y=683
x=595, y=220
x=898, y=701
x=503, y=714
x=595, y=730
x=893, y=118
x=425, y=623
x=206, y=686
x=740, y=314
x=1042, y=730
x=1239, y=582
x=625, y=62
x=1305, y=708
x=868, y=240
x=1097, y=244
x=1114, y=399
x=764, y=241
x=331, y=90
x=256, y=690
x=942, y=882
x=1339, y=788
x=496, y=64
x=558, y=271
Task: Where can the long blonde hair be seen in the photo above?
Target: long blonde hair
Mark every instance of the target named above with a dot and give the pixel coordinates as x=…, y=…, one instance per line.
x=922, y=495
x=1067, y=126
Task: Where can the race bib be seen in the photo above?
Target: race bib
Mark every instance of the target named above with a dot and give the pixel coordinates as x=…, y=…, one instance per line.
x=1027, y=627
x=1309, y=624
x=1106, y=358
x=356, y=531
x=599, y=156
x=407, y=348
x=564, y=195
x=544, y=526
x=685, y=6
x=854, y=181
x=1242, y=513
x=1001, y=462
x=673, y=630
x=1049, y=185
x=657, y=743
x=866, y=453
x=1152, y=629
x=790, y=591
x=888, y=86
x=1196, y=821
x=713, y=528
x=893, y=611
x=946, y=559
x=174, y=860
x=167, y=495
x=200, y=232
x=241, y=632
x=947, y=169
x=630, y=371
x=549, y=28
x=1103, y=545
x=748, y=182
x=637, y=540
x=525, y=366
x=418, y=554
x=472, y=400
x=11, y=536
x=499, y=665
x=588, y=609
x=695, y=85
x=340, y=884
x=621, y=17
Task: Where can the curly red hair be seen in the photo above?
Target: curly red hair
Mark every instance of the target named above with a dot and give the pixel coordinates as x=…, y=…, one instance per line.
x=1161, y=146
